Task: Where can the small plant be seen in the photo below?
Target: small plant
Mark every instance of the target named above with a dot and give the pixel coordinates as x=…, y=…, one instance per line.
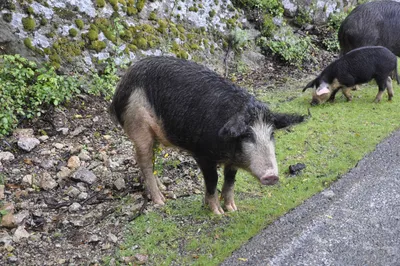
x=26, y=89
x=302, y=17
x=290, y=48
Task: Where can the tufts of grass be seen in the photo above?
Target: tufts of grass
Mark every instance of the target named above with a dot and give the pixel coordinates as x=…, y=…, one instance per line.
x=329, y=143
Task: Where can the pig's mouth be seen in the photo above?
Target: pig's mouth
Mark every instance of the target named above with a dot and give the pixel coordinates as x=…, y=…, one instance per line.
x=269, y=180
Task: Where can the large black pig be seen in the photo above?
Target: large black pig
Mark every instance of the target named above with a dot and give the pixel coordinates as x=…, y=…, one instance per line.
x=186, y=105
x=356, y=67
x=374, y=23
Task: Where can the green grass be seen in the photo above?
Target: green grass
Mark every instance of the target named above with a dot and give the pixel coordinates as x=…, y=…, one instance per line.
x=329, y=143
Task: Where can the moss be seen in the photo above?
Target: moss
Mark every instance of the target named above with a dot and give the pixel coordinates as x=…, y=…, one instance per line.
x=200, y=5
x=268, y=25
x=47, y=51
x=142, y=43
x=100, y=3
x=178, y=16
x=175, y=46
x=113, y=2
x=130, y=11
x=43, y=21
x=98, y=46
x=28, y=23
x=28, y=43
x=79, y=23
x=132, y=47
x=193, y=8
x=182, y=54
x=30, y=10
x=153, y=16
x=93, y=35
x=7, y=17
x=194, y=46
x=179, y=8
x=65, y=13
x=126, y=35
x=109, y=35
x=140, y=5
x=122, y=2
x=50, y=34
x=212, y=13
x=181, y=28
x=73, y=32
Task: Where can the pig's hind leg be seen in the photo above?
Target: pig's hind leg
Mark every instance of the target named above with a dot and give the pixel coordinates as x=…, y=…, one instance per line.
x=139, y=130
x=389, y=85
x=210, y=174
x=228, y=187
x=382, y=84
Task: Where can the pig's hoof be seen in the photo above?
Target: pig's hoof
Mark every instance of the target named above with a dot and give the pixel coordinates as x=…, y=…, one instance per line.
x=230, y=206
x=217, y=210
x=158, y=199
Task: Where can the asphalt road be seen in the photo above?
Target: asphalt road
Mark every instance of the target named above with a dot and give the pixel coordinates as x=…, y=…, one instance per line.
x=354, y=222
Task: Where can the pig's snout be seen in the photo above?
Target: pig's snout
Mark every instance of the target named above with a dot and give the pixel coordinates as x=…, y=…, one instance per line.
x=269, y=180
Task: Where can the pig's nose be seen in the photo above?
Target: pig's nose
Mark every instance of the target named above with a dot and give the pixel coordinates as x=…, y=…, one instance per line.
x=269, y=180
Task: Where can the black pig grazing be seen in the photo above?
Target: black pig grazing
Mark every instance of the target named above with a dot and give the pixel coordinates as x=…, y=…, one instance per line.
x=356, y=67
x=183, y=104
x=374, y=23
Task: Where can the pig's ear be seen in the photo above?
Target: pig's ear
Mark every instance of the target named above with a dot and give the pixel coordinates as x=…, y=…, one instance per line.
x=284, y=120
x=309, y=85
x=235, y=127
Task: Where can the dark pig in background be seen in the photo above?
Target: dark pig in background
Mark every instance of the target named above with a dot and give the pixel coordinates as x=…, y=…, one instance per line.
x=356, y=67
x=183, y=104
x=374, y=23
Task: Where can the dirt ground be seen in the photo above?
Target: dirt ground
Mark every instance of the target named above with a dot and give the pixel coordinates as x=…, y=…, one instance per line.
x=70, y=197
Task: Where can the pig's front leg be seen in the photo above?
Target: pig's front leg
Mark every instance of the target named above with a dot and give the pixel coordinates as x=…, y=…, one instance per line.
x=227, y=188
x=209, y=170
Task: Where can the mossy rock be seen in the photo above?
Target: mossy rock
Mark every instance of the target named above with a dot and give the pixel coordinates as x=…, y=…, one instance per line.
x=28, y=43
x=142, y=43
x=93, y=35
x=7, y=17
x=100, y=3
x=79, y=23
x=73, y=32
x=130, y=11
x=212, y=13
x=43, y=21
x=153, y=16
x=29, y=23
x=98, y=46
x=140, y=5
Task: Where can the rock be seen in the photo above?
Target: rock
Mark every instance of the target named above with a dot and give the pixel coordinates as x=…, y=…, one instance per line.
x=46, y=182
x=63, y=130
x=84, y=155
x=28, y=144
x=113, y=238
x=23, y=133
x=2, y=192
x=83, y=196
x=81, y=186
x=12, y=259
x=140, y=259
x=21, y=216
x=328, y=193
x=8, y=220
x=73, y=191
x=119, y=184
x=84, y=175
x=6, y=156
x=64, y=172
x=28, y=179
x=47, y=164
x=43, y=138
x=74, y=207
x=74, y=162
x=19, y=234
x=5, y=238
x=58, y=146
x=94, y=239
x=78, y=131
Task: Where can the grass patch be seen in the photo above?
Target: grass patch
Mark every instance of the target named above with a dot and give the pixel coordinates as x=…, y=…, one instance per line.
x=329, y=143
